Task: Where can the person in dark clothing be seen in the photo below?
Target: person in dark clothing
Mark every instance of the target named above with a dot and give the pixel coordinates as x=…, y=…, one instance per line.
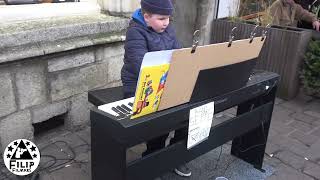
x=150, y=30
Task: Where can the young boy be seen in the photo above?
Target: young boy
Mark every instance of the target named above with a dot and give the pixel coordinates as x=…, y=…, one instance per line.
x=149, y=30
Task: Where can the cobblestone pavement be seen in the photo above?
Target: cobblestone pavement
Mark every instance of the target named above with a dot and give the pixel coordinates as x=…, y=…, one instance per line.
x=293, y=150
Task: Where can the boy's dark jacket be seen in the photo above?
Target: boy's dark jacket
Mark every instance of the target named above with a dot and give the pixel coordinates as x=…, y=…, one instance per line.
x=141, y=39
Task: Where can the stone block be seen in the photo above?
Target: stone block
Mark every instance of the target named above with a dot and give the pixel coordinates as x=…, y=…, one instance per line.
x=303, y=117
x=85, y=134
x=278, y=101
x=70, y=60
x=15, y=126
x=313, y=151
x=31, y=84
x=79, y=114
x=285, y=172
x=313, y=114
x=272, y=148
x=291, y=159
x=316, y=132
x=7, y=98
x=286, y=143
x=300, y=125
x=296, y=105
x=280, y=127
x=312, y=169
x=46, y=111
x=64, y=84
x=107, y=51
x=281, y=114
x=313, y=106
x=306, y=139
x=114, y=68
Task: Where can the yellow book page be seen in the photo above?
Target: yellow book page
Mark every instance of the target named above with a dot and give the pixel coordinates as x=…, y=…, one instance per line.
x=149, y=90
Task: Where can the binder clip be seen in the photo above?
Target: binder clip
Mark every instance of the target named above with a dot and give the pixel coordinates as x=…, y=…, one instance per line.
x=264, y=32
x=231, y=36
x=253, y=34
x=196, y=36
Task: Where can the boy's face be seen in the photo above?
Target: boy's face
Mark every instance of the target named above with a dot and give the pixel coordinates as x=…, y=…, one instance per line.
x=158, y=22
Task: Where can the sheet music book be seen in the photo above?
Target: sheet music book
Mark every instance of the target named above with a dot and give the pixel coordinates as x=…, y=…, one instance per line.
x=151, y=82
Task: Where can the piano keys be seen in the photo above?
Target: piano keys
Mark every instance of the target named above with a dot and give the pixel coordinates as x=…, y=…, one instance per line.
x=119, y=109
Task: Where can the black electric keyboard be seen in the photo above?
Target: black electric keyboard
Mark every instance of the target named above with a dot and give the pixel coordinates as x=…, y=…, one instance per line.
x=113, y=132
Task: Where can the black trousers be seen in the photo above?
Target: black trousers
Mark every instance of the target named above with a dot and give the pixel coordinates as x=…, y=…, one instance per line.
x=159, y=142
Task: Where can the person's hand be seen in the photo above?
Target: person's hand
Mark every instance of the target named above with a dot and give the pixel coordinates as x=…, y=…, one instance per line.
x=316, y=25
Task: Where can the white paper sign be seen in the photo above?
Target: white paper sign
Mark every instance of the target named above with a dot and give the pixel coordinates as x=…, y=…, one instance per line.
x=200, y=120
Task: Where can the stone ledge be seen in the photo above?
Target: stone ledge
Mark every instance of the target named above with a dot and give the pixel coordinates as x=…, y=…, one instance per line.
x=41, y=37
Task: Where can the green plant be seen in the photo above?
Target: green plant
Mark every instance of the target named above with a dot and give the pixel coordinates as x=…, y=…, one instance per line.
x=310, y=73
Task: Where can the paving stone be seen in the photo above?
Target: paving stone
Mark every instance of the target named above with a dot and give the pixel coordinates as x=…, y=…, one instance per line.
x=316, y=132
x=313, y=152
x=302, y=126
x=139, y=149
x=303, y=117
x=42, y=139
x=281, y=114
x=291, y=159
x=272, y=161
x=306, y=139
x=85, y=134
x=272, y=148
x=71, y=139
x=292, y=145
x=70, y=173
x=279, y=101
x=294, y=105
x=281, y=128
x=312, y=169
x=313, y=106
x=284, y=172
x=313, y=114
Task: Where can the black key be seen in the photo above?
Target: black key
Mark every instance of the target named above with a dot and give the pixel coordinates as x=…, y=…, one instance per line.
x=121, y=115
x=122, y=110
x=125, y=107
x=130, y=104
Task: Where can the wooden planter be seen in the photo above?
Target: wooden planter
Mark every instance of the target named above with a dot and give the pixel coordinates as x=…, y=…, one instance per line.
x=282, y=52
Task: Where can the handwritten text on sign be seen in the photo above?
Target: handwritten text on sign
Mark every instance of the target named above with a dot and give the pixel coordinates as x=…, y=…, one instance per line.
x=200, y=120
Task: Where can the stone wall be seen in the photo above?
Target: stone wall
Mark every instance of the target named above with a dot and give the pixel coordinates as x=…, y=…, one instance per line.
x=42, y=78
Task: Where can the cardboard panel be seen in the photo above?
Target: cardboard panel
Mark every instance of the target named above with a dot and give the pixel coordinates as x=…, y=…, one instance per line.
x=185, y=67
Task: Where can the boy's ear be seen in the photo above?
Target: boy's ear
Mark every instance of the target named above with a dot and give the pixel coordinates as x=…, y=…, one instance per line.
x=146, y=17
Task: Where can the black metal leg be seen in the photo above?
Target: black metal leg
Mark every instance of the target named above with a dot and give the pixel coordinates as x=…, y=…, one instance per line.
x=250, y=147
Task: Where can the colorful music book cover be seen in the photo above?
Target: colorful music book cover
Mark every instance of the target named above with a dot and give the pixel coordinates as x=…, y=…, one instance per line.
x=149, y=89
